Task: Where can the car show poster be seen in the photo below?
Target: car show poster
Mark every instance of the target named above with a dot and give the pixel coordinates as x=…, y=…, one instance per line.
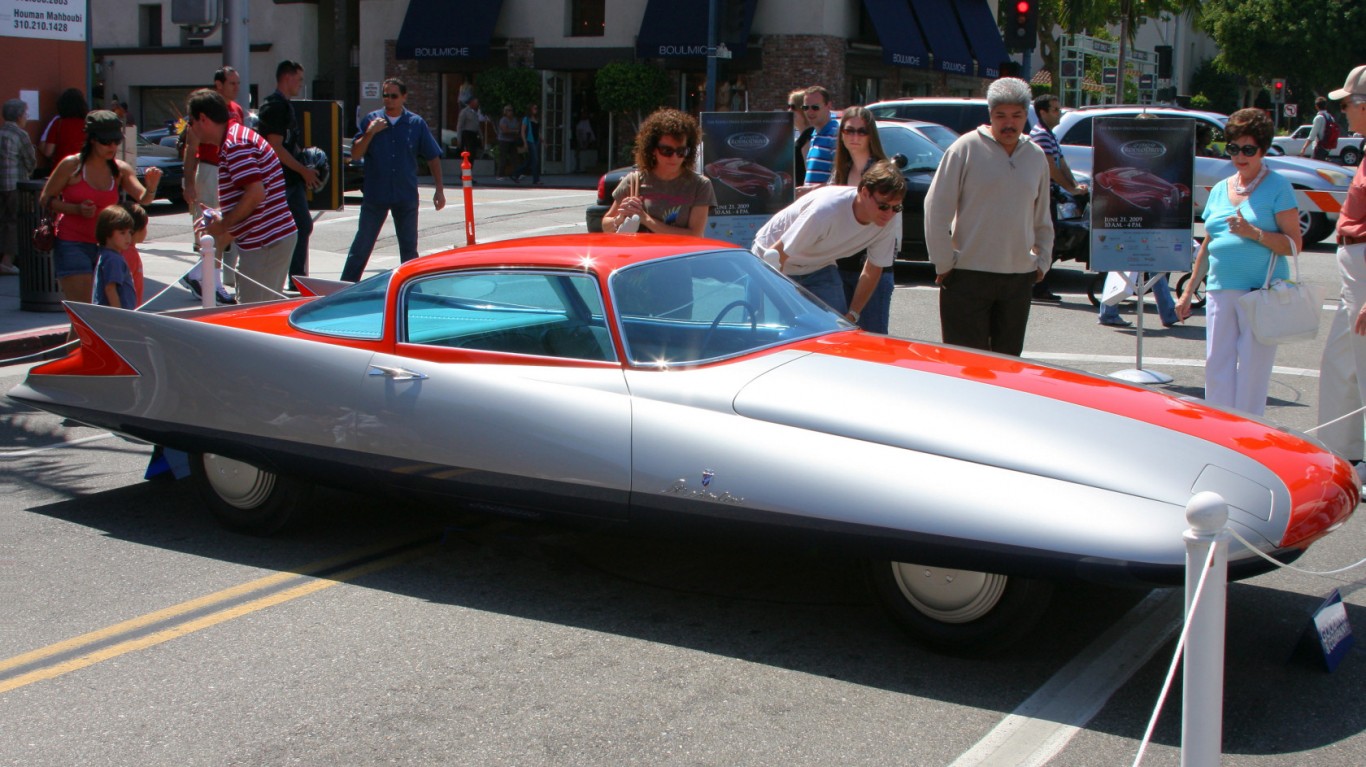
x=1141, y=208
x=748, y=157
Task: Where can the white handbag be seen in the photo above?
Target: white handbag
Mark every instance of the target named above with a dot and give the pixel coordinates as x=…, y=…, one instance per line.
x=1280, y=312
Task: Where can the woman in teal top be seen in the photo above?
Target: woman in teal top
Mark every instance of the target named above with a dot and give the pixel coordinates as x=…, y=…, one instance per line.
x=1250, y=218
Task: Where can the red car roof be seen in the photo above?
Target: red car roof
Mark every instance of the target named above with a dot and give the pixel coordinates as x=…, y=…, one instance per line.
x=609, y=252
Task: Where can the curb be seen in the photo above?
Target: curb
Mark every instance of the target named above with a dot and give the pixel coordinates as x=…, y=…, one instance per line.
x=31, y=343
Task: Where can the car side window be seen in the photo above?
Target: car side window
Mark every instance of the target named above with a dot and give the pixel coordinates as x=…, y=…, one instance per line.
x=548, y=314
x=356, y=312
x=1079, y=134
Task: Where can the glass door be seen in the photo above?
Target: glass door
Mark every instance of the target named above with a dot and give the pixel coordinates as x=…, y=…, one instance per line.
x=555, y=122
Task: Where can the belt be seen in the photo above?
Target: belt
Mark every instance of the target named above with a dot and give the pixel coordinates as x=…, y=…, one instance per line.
x=1348, y=240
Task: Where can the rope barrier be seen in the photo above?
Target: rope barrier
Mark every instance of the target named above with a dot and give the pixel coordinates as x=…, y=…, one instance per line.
x=1176, y=657
x=1273, y=561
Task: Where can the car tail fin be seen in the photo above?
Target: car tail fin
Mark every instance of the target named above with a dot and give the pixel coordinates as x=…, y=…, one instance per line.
x=93, y=357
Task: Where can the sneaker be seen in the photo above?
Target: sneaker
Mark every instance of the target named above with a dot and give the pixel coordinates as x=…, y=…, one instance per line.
x=517, y=179
x=224, y=297
x=501, y=178
x=9, y=270
x=1046, y=295
x=191, y=285
x=1114, y=322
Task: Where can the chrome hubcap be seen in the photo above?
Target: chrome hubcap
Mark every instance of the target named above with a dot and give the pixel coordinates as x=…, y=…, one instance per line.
x=240, y=485
x=946, y=595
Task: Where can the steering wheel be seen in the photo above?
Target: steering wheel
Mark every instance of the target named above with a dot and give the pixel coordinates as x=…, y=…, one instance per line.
x=753, y=323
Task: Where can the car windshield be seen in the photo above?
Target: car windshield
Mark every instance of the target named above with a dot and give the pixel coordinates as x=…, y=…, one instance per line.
x=355, y=312
x=920, y=152
x=710, y=306
x=941, y=136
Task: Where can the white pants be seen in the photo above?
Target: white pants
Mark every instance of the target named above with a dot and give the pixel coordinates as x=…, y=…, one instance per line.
x=206, y=188
x=1237, y=365
x=1342, y=389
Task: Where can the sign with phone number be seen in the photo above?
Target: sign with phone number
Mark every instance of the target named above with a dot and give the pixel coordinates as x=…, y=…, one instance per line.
x=43, y=19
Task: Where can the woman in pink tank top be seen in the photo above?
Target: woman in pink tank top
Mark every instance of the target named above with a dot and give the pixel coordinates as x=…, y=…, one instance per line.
x=80, y=187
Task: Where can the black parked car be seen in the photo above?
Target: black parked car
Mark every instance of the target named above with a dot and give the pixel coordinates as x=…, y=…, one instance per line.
x=172, y=169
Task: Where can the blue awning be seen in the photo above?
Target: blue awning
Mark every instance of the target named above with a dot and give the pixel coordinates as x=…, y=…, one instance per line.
x=437, y=29
x=679, y=28
x=983, y=36
x=940, y=25
x=902, y=44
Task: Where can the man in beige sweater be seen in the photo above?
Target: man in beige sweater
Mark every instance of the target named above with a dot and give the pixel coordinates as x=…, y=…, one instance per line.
x=987, y=226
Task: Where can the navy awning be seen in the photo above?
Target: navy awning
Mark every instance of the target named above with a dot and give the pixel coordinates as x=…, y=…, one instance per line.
x=433, y=29
x=679, y=28
x=983, y=36
x=902, y=45
x=940, y=25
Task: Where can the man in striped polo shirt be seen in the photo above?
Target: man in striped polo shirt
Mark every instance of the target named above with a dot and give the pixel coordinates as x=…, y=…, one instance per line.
x=251, y=196
x=820, y=158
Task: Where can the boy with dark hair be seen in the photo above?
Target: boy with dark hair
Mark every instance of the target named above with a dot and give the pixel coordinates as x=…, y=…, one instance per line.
x=131, y=254
x=113, y=280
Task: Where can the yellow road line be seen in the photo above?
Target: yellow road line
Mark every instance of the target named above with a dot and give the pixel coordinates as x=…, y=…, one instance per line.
x=208, y=620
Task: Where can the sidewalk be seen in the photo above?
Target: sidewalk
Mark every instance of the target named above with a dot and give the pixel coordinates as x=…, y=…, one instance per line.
x=24, y=332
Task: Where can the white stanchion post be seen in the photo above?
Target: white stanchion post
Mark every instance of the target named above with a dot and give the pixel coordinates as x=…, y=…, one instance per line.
x=207, y=283
x=1202, y=698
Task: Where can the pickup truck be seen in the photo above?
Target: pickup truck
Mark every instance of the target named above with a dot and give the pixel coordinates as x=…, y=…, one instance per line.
x=1348, y=151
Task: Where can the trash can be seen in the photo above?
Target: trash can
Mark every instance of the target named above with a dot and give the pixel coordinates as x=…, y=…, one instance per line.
x=38, y=288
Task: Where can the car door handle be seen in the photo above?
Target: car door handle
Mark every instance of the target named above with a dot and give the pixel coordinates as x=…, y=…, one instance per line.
x=397, y=374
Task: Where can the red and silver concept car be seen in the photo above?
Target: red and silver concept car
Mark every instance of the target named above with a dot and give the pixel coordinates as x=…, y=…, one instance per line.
x=670, y=381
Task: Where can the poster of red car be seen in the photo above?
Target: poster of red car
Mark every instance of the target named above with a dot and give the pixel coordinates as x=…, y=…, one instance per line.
x=1141, y=207
x=748, y=157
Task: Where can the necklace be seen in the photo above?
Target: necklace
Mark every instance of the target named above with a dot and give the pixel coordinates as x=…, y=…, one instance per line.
x=1246, y=191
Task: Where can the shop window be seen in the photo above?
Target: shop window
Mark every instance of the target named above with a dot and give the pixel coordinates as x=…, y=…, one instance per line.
x=587, y=18
x=149, y=26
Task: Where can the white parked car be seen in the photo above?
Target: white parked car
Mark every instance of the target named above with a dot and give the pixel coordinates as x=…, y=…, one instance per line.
x=1348, y=150
x=1074, y=136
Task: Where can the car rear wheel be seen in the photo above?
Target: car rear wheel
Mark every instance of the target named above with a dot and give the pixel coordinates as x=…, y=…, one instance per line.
x=960, y=612
x=245, y=498
x=1350, y=156
x=1314, y=227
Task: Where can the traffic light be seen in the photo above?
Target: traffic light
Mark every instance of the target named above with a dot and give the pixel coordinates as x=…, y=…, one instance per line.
x=1278, y=90
x=1022, y=25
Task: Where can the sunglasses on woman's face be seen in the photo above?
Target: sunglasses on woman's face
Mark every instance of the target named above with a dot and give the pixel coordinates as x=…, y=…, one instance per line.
x=855, y=131
x=110, y=142
x=673, y=151
x=1247, y=150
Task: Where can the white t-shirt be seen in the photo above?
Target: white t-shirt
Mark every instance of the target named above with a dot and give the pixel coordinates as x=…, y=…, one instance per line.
x=819, y=229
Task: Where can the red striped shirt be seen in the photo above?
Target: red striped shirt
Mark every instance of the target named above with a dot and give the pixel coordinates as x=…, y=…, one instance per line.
x=246, y=158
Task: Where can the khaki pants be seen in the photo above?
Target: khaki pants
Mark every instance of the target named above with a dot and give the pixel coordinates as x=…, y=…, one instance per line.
x=263, y=270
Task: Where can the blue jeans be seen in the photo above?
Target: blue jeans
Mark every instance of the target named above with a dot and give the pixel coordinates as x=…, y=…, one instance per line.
x=1166, y=305
x=296, y=196
x=877, y=313
x=531, y=163
x=826, y=285
x=372, y=216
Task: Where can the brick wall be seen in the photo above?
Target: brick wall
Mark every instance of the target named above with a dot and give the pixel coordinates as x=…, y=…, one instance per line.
x=424, y=88
x=796, y=61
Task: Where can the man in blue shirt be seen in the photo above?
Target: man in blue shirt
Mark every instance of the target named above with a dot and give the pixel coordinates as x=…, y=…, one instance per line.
x=820, y=158
x=391, y=140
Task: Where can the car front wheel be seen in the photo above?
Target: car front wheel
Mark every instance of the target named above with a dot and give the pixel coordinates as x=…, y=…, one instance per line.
x=1314, y=227
x=245, y=498
x=1350, y=156
x=961, y=612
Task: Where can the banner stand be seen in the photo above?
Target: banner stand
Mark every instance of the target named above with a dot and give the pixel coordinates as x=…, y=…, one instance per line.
x=1137, y=374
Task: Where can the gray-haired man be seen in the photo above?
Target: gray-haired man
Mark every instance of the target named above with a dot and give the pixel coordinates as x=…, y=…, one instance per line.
x=987, y=226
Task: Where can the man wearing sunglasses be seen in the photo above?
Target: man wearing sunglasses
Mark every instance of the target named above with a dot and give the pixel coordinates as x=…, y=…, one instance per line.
x=1342, y=372
x=391, y=141
x=987, y=226
x=805, y=239
x=825, y=136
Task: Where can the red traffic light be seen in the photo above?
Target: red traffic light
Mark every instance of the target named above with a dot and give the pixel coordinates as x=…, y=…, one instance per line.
x=1022, y=7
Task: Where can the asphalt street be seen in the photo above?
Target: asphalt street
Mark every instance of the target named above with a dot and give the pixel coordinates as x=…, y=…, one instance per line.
x=385, y=631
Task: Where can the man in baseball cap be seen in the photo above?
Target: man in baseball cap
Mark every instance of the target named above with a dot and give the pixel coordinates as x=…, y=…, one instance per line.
x=1342, y=372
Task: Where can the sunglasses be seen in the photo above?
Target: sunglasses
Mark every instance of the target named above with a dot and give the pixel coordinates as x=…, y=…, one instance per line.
x=393, y=95
x=110, y=142
x=673, y=151
x=811, y=107
x=1247, y=150
x=855, y=131
x=886, y=206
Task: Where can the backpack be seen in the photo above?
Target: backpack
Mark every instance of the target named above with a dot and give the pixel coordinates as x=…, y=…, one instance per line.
x=1330, y=132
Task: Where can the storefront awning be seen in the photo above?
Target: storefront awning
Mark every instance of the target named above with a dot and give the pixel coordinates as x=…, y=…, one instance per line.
x=984, y=37
x=902, y=45
x=679, y=28
x=940, y=25
x=436, y=29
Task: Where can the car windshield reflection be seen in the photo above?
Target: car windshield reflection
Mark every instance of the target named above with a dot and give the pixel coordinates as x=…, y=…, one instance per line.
x=711, y=306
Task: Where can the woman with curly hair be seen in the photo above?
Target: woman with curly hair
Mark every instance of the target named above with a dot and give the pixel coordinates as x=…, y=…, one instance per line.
x=1249, y=219
x=665, y=190
x=858, y=149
